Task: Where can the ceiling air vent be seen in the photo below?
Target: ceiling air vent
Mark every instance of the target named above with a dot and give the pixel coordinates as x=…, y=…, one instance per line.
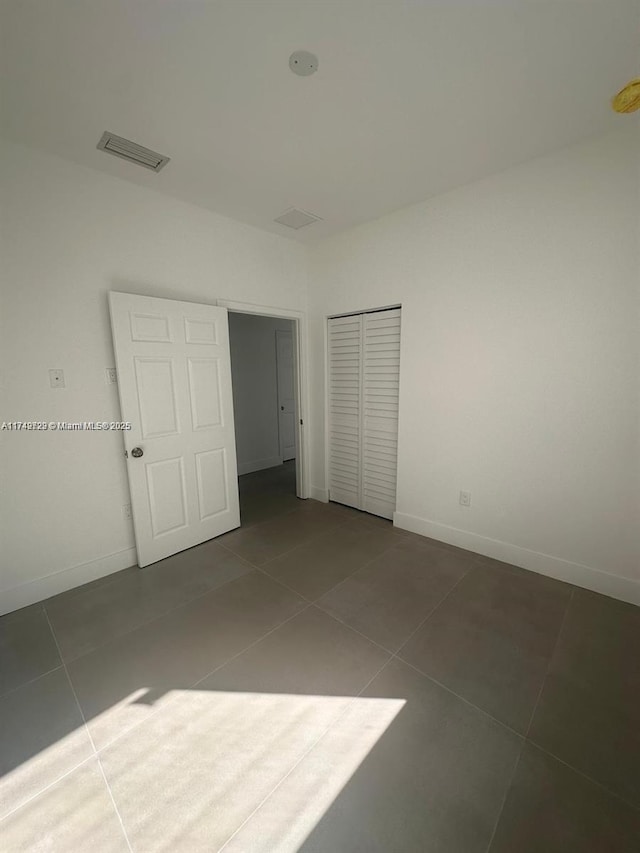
x=293, y=218
x=131, y=151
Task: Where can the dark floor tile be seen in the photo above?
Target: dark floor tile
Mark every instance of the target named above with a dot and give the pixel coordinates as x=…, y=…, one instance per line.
x=258, y=507
x=407, y=768
x=279, y=479
x=121, y=682
x=68, y=594
x=589, y=711
x=388, y=598
x=552, y=809
x=264, y=542
x=27, y=648
x=102, y=613
x=310, y=654
x=491, y=640
x=314, y=568
x=42, y=737
x=330, y=510
x=232, y=740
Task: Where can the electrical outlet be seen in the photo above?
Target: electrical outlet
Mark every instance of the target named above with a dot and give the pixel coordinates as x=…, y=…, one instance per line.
x=126, y=510
x=56, y=378
x=465, y=498
x=112, y=376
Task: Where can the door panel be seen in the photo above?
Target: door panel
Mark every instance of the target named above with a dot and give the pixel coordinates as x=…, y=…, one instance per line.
x=213, y=489
x=345, y=367
x=155, y=385
x=167, y=499
x=204, y=392
x=380, y=394
x=174, y=380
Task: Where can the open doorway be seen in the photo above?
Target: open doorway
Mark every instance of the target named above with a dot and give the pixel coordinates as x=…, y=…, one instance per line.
x=265, y=400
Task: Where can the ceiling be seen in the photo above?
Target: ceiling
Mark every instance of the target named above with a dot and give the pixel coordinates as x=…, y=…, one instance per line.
x=411, y=98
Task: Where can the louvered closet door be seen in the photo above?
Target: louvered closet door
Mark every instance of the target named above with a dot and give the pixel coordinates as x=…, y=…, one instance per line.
x=345, y=368
x=380, y=388
x=364, y=373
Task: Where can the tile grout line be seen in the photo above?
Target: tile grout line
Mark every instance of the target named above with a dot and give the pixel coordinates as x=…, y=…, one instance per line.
x=315, y=601
x=461, y=698
x=47, y=787
x=507, y=791
x=433, y=610
x=320, y=737
x=396, y=655
x=244, y=560
x=619, y=797
x=91, y=741
x=229, y=550
x=284, y=553
x=251, y=645
x=32, y=680
x=351, y=628
x=550, y=661
x=158, y=710
x=393, y=656
x=159, y=615
x=533, y=712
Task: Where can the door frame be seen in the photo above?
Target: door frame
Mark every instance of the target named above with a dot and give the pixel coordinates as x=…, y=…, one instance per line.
x=289, y=336
x=301, y=372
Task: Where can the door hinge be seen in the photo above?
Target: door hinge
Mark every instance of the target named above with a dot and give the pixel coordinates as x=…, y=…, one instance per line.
x=301, y=422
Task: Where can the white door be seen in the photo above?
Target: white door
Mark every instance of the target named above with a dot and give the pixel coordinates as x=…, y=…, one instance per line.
x=380, y=397
x=345, y=409
x=364, y=379
x=286, y=398
x=174, y=380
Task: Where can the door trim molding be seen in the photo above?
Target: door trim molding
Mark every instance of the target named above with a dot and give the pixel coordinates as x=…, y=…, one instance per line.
x=300, y=325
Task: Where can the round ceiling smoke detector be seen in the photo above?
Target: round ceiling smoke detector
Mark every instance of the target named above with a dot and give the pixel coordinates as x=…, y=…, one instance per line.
x=303, y=63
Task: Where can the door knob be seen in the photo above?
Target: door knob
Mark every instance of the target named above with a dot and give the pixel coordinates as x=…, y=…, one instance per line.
x=137, y=452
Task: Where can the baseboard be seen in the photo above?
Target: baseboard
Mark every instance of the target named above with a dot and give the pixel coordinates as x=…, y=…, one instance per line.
x=319, y=494
x=258, y=465
x=614, y=586
x=41, y=588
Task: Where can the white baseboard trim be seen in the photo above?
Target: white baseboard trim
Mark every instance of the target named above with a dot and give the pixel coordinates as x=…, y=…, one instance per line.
x=319, y=494
x=614, y=586
x=258, y=465
x=41, y=588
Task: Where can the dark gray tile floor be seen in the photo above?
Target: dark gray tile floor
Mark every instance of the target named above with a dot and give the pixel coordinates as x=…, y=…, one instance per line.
x=318, y=681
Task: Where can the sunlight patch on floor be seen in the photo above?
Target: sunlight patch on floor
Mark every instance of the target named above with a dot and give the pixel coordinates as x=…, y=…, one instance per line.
x=198, y=769
x=206, y=768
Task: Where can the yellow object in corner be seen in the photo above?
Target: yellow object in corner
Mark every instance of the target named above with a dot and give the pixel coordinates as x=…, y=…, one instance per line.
x=628, y=99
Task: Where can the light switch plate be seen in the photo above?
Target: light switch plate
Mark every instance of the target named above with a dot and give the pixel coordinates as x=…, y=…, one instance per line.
x=112, y=375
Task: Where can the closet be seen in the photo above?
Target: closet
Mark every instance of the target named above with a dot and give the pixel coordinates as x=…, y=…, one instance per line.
x=364, y=379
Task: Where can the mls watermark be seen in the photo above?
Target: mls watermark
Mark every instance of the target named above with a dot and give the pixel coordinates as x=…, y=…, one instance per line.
x=66, y=426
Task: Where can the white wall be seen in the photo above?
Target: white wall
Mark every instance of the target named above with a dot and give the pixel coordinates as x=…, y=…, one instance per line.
x=70, y=235
x=520, y=355
x=255, y=389
x=519, y=362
